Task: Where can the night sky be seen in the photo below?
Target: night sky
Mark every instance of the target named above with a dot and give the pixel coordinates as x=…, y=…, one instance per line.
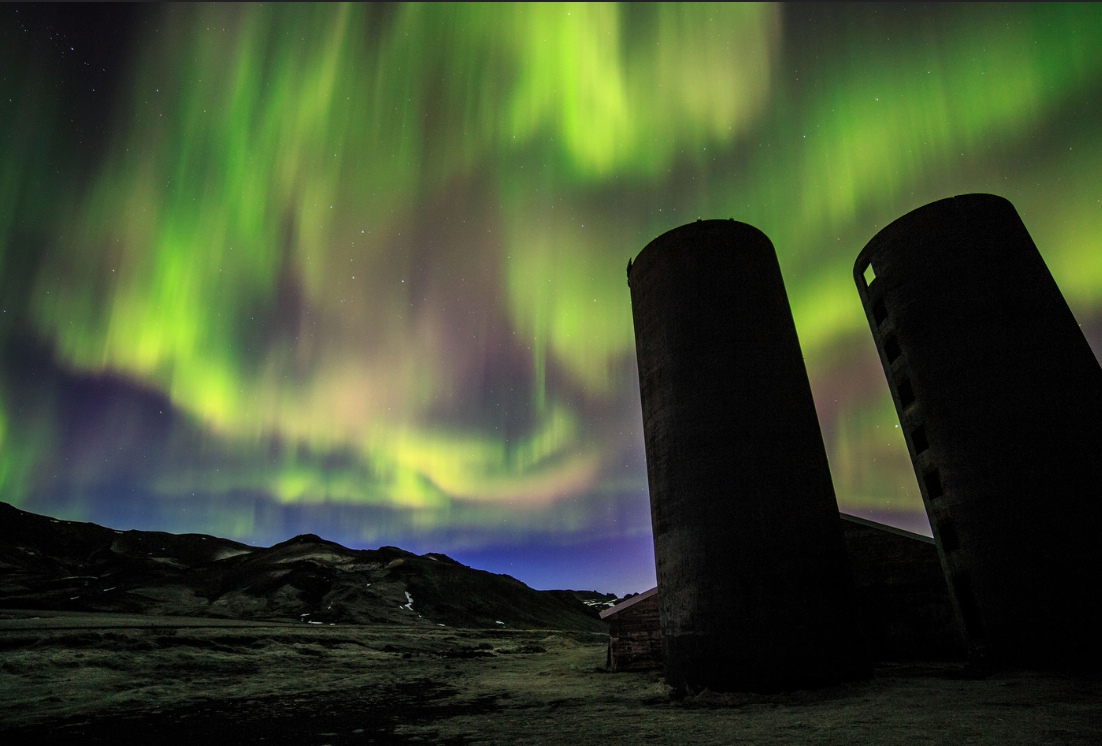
x=359, y=271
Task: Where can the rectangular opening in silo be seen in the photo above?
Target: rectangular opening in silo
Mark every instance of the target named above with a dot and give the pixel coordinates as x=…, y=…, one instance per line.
x=870, y=274
x=933, y=484
x=891, y=349
x=906, y=393
x=947, y=532
x=969, y=610
x=879, y=312
x=918, y=439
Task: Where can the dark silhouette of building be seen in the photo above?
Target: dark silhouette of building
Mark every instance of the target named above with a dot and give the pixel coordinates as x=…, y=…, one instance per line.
x=1000, y=399
x=755, y=591
x=901, y=593
x=900, y=589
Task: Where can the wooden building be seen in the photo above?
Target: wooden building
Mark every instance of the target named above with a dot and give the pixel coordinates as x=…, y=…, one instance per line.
x=634, y=633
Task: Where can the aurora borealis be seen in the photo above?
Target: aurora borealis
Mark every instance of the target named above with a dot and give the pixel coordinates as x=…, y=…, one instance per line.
x=359, y=270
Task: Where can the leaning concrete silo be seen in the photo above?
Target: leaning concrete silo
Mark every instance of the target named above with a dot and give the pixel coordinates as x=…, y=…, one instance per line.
x=1000, y=399
x=755, y=591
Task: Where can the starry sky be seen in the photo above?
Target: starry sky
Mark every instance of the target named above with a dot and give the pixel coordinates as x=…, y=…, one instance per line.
x=359, y=270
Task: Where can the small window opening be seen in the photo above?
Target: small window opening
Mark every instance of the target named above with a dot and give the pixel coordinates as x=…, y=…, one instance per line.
x=969, y=609
x=933, y=484
x=879, y=312
x=918, y=438
x=891, y=349
x=906, y=393
x=870, y=274
x=947, y=532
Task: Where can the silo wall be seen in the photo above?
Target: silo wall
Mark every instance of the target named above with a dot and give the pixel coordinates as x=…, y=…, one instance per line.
x=754, y=584
x=1000, y=400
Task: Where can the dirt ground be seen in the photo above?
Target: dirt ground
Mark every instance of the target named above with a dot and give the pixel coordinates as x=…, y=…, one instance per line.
x=115, y=679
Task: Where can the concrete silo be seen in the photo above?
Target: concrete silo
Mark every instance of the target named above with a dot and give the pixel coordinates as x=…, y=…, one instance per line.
x=755, y=591
x=1000, y=400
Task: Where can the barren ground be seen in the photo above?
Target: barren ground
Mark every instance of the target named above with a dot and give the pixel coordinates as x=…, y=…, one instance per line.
x=94, y=678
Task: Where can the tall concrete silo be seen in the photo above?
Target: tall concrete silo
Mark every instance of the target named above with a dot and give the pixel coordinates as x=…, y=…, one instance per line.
x=755, y=591
x=1000, y=400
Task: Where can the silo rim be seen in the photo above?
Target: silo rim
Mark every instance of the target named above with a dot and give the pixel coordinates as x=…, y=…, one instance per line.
x=743, y=232
x=905, y=223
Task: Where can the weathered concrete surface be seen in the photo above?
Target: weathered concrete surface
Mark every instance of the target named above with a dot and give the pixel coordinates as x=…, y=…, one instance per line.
x=1000, y=399
x=755, y=589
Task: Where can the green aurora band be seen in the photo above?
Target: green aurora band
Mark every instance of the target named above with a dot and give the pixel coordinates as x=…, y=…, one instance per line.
x=372, y=260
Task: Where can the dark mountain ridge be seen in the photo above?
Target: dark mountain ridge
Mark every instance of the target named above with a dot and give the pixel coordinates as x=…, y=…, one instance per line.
x=50, y=564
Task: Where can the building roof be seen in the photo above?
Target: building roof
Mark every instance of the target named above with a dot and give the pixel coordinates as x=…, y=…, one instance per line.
x=885, y=527
x=628, y=603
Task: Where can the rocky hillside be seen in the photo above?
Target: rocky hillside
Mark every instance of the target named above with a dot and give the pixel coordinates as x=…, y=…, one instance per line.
x=46, y=563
